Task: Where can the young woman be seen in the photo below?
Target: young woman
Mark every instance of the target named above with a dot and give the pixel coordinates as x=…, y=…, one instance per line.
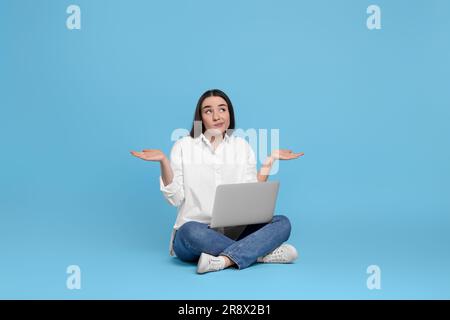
x=209, y=156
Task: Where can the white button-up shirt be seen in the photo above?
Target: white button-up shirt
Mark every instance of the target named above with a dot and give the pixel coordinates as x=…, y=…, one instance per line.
x=198, y=169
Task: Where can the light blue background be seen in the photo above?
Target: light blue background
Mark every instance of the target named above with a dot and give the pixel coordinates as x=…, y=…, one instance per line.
x=370, y=109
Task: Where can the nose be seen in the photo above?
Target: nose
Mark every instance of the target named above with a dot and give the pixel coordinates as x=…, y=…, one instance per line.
x=216, y=116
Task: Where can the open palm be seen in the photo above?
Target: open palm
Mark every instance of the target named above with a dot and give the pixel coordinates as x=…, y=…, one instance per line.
x=149, y=154
x=284, y=154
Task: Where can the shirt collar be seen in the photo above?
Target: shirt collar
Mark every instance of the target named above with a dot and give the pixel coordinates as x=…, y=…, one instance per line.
x=202, y=137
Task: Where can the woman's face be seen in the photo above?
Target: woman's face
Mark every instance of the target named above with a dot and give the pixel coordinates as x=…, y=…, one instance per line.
x=215, y=114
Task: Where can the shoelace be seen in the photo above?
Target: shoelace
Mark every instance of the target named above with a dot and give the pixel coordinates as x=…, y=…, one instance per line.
x=277, y=254
x=215, y=264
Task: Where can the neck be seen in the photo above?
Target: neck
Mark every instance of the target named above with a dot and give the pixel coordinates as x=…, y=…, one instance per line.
x=213, y=138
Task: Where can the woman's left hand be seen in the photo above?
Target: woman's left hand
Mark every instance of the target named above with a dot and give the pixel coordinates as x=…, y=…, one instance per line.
x=284, y=154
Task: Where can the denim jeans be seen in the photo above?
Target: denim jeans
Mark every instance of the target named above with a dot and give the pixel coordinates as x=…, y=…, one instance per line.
x=193, y=238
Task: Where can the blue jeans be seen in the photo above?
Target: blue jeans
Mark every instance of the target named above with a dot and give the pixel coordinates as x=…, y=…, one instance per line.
x=193, y=238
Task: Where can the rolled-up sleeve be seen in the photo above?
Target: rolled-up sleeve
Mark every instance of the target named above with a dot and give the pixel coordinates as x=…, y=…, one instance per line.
x=250, y=170
x=174, y=191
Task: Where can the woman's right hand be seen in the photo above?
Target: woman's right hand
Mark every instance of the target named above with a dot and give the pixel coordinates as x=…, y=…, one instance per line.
x=149, y=155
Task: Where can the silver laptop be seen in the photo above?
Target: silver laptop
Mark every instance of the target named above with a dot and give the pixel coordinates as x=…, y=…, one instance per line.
x=240, y=204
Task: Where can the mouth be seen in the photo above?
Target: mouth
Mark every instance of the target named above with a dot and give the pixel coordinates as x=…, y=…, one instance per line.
x=218, y=125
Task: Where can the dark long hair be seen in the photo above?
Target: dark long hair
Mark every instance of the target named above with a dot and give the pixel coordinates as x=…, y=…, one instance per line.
x=198, y=115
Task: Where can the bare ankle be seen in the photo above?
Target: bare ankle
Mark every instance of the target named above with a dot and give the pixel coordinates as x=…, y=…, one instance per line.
x=228, y=261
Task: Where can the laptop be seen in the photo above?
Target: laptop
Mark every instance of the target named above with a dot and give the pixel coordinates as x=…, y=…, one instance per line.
x=239, y=204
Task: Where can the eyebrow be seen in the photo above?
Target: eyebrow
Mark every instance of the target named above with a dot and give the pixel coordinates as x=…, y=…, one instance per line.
x=220, y=105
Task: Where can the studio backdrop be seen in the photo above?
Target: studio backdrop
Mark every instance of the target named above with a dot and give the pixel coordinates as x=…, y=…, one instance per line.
x=361, y=87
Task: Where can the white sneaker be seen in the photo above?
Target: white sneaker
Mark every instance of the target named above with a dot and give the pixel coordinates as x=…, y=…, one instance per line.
x=285, y=253
x=208, y=263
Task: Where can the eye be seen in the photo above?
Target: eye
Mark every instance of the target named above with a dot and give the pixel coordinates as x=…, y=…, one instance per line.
x=207, y=111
